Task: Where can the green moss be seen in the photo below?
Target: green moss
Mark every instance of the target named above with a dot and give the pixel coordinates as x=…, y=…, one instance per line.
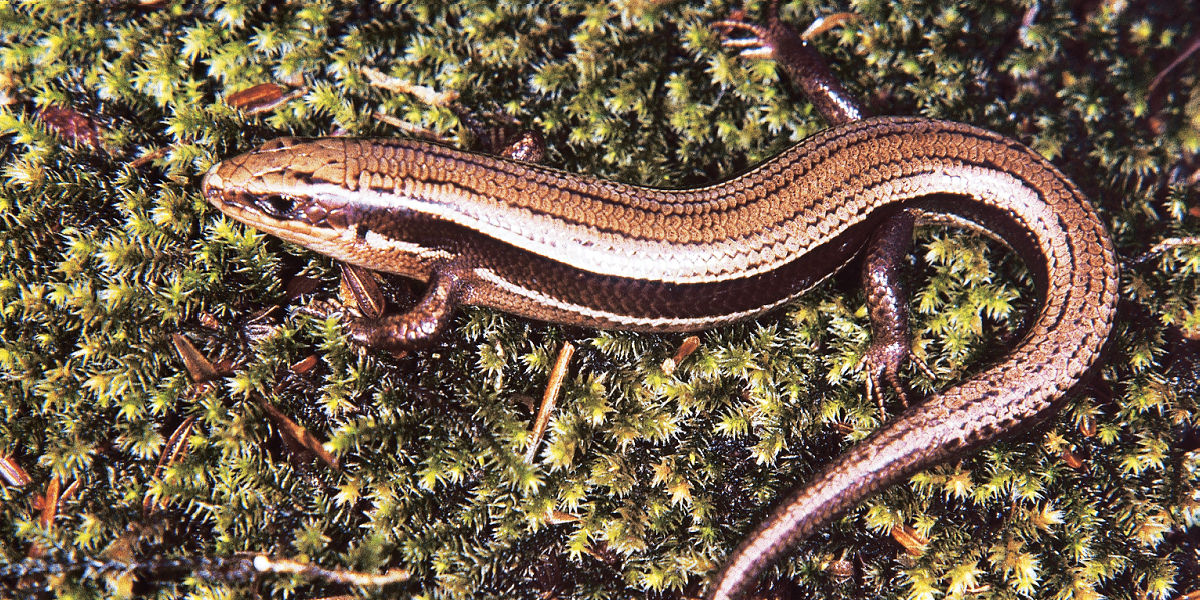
x=101, y=262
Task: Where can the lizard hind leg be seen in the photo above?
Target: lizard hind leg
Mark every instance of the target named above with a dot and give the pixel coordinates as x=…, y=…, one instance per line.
x=887, y=306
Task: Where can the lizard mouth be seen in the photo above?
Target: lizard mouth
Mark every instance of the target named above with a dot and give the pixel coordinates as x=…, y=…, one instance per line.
x=279, y=206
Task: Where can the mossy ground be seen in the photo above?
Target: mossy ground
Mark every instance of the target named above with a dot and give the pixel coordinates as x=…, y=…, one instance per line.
x=101, y=262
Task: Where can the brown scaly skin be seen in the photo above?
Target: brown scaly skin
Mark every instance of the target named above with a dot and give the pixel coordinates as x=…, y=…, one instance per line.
x=549, y=245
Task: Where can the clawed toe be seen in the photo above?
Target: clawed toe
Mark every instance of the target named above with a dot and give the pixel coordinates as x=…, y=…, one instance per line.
x=754, y=29
x=878, y=372
x=882, y=363
x=754, y=46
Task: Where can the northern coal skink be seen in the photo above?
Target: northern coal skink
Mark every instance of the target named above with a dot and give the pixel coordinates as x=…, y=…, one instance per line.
x=554, y=246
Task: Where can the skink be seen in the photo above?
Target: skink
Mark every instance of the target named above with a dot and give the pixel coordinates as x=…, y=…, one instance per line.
x=554, y=246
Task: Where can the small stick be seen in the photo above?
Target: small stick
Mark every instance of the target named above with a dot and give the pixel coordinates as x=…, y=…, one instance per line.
x=423, y=93
x=12, y=473
x=266, y=564
x=549, y=398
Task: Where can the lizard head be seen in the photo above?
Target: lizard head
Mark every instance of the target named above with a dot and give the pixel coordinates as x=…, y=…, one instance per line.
x=312, y=193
